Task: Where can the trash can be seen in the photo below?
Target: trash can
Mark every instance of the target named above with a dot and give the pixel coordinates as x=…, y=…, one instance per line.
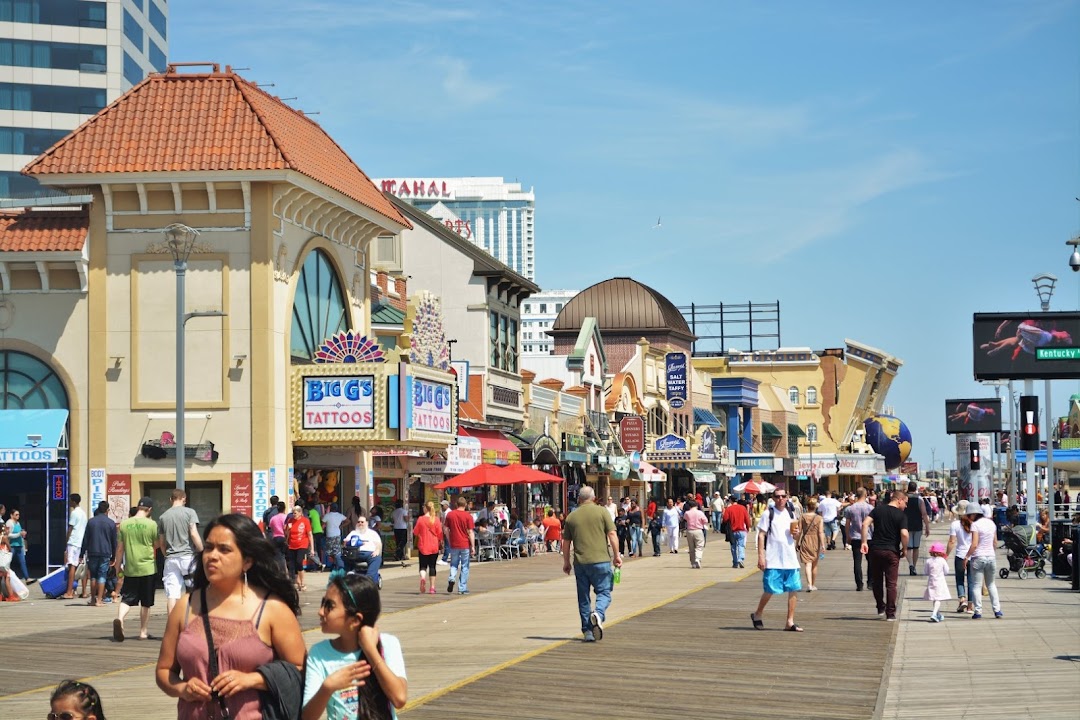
x=1059, y=530
x=999, y=519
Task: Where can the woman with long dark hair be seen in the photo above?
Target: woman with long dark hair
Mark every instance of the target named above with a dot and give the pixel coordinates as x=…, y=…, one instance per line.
x=251, y=607
x=360, y=673
x=960, y=541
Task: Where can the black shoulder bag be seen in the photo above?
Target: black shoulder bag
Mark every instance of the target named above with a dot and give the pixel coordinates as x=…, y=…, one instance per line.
x=214, y=670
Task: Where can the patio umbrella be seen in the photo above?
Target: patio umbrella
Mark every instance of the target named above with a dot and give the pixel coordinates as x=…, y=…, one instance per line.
x=516, y=474
x=754, y=487
x=483, y=474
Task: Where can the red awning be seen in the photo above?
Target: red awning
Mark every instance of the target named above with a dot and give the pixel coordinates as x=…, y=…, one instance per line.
x=495, y=448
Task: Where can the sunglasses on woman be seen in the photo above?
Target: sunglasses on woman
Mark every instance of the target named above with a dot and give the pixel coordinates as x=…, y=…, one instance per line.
x=64, y=716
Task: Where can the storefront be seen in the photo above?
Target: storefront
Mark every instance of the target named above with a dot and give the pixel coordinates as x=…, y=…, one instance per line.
x=841, y=472
x=760, y=466
x=539, y=451
x=671, y=454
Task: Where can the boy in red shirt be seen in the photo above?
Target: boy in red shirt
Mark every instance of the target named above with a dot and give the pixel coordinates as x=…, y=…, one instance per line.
x=460, y=532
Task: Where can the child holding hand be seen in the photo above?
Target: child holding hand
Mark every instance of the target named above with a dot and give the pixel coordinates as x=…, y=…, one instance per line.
x=937, y=588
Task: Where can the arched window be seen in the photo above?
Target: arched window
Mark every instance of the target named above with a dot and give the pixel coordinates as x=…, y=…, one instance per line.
x=811, y=395
x=793, y=395
x=811, y=433
x=319, y=309
x=29, y=384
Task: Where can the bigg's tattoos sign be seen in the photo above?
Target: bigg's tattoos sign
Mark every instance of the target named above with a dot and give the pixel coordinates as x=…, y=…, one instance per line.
x=339, y=402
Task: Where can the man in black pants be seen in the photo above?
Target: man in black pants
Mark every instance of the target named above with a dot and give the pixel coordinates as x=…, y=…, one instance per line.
x=885, y=549
x=918, y=524
x=856, y=513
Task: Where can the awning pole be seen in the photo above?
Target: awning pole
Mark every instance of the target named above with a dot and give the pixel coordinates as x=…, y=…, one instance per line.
x=48, y=515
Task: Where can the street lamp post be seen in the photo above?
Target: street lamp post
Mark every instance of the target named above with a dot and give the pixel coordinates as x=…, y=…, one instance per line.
x=1044, y=288
x=180, y=239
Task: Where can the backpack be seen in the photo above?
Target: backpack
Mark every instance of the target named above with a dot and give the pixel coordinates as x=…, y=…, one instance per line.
x=772, y=515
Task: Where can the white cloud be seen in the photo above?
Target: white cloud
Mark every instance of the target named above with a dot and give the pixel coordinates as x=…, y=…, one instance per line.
x=461, y=88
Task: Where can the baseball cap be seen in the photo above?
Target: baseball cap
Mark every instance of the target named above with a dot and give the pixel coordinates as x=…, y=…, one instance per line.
x=146, y=502
x=937, y=548
x=444, y=503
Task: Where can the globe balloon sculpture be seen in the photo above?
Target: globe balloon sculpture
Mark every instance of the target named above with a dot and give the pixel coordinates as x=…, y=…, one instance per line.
x=889, y=437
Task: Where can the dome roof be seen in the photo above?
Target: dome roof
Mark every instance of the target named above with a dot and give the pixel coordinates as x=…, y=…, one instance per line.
x=621, y=304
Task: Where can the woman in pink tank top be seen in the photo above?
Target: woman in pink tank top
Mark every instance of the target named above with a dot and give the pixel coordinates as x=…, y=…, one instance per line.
x=251, y=607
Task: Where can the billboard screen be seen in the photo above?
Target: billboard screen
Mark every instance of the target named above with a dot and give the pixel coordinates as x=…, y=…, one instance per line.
x=1020, y=346
x=981, y=415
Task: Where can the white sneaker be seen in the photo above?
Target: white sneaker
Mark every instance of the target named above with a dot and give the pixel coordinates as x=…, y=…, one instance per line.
x=440, y=561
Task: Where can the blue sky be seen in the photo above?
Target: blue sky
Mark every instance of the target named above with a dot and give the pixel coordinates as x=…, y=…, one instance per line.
x=883, y=170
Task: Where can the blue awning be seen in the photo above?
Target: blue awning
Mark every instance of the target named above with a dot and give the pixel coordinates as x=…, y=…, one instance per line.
x=32, y=436
x=705, y=417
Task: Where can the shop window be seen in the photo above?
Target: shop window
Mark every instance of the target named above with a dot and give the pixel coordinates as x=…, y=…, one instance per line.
x=657, y=422
x=27, y=383
x=811, y=395
x=793, y=395
x=811, y=433
x=319, y=309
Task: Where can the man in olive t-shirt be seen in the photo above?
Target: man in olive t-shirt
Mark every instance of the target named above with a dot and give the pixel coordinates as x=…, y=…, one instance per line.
x=589, y=532
x=137, y=538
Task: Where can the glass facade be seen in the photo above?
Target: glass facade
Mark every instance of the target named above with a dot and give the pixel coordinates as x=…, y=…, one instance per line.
x=133, y=72
x=71, y=13
x=157, y=19
x=54, y=55
x=319, y=309
x=51, y=98
x=28, y=141
x=497, y=226
x=133, y=30
x=157, y=57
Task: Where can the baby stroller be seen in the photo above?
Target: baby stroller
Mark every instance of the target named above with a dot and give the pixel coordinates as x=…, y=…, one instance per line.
x=1024, y=556
x=354, y=565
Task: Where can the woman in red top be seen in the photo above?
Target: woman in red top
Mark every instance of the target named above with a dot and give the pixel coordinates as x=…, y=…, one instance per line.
x=650, y=510
x=300, y=542
x=428, y=532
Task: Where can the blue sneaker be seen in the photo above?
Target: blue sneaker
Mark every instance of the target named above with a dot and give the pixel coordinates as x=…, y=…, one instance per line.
x=998, y=614
x=977, y=616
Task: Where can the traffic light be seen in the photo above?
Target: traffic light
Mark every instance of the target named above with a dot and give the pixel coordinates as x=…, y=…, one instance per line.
x=974, y=455
x=1029, y=423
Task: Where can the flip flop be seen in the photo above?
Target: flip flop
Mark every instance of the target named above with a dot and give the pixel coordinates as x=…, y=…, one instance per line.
x=758, y=624
x=793, y=628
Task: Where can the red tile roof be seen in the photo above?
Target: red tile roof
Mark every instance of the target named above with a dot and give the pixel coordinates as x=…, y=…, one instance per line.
x=39, y=230
x=175, y=122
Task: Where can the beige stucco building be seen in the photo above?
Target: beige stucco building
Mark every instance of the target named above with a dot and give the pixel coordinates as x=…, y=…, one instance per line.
x=280, y=266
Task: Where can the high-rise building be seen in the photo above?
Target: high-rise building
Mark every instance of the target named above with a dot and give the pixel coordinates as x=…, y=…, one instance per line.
x=486, y=211
x=60, y=62
x=538, y=314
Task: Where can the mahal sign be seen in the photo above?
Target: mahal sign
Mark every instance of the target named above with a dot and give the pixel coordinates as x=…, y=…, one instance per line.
x=432, y=406
x=675, y=371
x=339, y=402
x=632, y=433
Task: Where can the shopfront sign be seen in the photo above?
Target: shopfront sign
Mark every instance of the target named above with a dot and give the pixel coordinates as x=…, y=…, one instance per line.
x=545, y=446
x=675, y=371
x=860, y=464
x=339, y=402
x=756, y=463
x=464, y=456
x=432, y=406
x=241, y=493
x=574, y=448
x=262, y=487
x=670, y=442
x=59, y=485
x=28, y=455
x=707, y=446
x=632, y=433
x=97, y=486
x=823, y=465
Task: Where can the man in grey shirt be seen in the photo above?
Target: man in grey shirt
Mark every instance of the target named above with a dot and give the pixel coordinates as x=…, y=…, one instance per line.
x=179, y=537
x=855, y=514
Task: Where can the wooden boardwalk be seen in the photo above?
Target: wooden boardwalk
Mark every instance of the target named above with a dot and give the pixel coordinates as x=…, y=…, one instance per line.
x=699, y=657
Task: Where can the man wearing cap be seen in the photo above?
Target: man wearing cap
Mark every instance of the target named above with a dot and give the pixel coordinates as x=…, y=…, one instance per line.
x=717, y=511
x=137, y=538
x=179, y=541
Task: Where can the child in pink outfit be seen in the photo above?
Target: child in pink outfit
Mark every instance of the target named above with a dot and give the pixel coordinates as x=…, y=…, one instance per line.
x=937, y=588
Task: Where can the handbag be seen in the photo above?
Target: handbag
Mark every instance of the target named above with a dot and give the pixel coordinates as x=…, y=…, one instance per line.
x=213, y=660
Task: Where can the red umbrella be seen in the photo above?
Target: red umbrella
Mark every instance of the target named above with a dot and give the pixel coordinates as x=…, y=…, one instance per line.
x=483, y=474
x=516, y=474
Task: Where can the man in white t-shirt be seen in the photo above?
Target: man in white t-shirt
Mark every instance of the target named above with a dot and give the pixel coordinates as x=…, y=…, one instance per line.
x=717, y=507
x=828, y=509
x=960, y=541
x=332, y=522
x=400, y=520
x=612, y=508
x=778, y=559
x=76, y=527
x=981, y=561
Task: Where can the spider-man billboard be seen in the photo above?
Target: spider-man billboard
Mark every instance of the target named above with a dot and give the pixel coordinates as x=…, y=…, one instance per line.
x=982, y=415
x=1038, y=346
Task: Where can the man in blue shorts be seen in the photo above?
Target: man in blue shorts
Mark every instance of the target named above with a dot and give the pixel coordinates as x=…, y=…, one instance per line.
x=777, y=558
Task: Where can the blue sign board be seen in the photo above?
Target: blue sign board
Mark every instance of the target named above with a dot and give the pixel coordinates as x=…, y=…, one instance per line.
x=755, y=463
x=675, y=371
x=59, y=486
x=670, y=442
